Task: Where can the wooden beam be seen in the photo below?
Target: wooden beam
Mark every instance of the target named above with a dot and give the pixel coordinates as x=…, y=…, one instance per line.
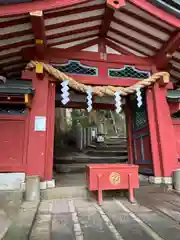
x=54, y=55
x=38, y=28
x=163, y=57
x=111, y=6
x=12, y=9
x=92, y=80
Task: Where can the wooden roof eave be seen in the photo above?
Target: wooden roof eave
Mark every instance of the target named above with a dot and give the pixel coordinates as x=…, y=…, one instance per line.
x=16, y=90
x=12, y=9
x=173, y=7
x=173, y=96
x=17, y=87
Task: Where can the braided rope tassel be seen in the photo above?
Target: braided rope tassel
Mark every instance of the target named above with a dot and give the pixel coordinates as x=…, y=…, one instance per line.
x=100, y=90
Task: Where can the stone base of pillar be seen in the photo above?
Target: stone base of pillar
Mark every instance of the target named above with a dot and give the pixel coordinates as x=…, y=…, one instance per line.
x=47, y=184
x=43, y=185
x=161, y=180
x=17, y=182
x=32, y=192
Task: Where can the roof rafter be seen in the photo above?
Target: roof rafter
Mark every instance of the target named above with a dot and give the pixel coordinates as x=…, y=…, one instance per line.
x=63, y=13
x=73, y=22
x=163, y=57
x=147, y=34
x=84, y=45
x=38, y=27
x=116, y=47
x=111, y=6
x=73, y=32
x=133, y=39
x=127, y=45
x=56, y=43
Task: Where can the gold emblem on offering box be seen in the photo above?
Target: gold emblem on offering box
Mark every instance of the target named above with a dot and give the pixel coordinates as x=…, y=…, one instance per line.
x=114, y=178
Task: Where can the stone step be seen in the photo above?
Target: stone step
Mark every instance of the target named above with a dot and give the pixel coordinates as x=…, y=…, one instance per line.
x=111, y=142
x=65, y=192
x=100, y=152
x=108, y=147
x=73, y=168
x=90, y=159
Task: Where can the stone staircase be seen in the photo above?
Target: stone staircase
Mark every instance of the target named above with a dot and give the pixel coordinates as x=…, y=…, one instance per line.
x=113, y=150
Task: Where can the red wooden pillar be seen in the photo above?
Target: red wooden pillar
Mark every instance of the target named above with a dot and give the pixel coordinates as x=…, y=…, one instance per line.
x=36, y=152
x=50, y=132
x=165, y=131
x=153, y=133
x=129, y=132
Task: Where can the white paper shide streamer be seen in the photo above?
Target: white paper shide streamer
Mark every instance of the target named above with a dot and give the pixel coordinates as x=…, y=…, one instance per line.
x=89, y=99
x=139, y=97
x=118, y=102
x=65, y=92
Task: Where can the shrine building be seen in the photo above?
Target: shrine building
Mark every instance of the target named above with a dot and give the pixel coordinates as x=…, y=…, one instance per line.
x=106, y=53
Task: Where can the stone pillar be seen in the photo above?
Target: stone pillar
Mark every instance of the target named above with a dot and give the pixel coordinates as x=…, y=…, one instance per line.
x=84, y=137
x=79, y=137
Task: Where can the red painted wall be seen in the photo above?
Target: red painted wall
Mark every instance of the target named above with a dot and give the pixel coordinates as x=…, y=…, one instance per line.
x=22, y=149
x=142, y=150
x=176, y=125
x=13, y=143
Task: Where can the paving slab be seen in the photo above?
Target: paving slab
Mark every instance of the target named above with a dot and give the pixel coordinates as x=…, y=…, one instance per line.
x=60, y=206
x=42, y=226
x=5, y=222
x=162, y=226
x=124, y=223
x=83, y=219
x=62, y=223
x=62, y=227
x=92, y=224
x=160, y=223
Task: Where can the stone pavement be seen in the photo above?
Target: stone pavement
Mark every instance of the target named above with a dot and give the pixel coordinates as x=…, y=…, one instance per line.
x=81, y=219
